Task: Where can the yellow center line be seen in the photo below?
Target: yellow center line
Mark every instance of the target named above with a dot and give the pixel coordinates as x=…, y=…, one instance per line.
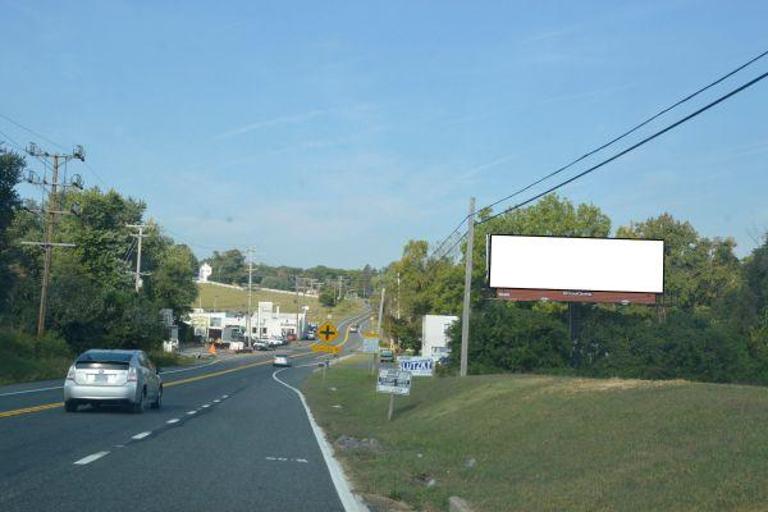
x=54, y=405
x=27, y=410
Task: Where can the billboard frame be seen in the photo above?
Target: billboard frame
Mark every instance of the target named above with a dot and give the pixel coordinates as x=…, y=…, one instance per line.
x=573, y=294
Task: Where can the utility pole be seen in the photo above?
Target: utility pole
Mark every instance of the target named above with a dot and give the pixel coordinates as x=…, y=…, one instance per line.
x=248, y=326
x=140, y=236
x=296, y=284
x=467, y=289
x=51, y=211
x=381, y=311
x=397, y=313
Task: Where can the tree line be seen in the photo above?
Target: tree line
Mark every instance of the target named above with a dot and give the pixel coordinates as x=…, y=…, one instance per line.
x=92, y=301
x=231, y=267
x=711, y=323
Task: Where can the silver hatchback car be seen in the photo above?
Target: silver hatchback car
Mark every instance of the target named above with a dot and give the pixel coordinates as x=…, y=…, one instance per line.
x=120, y=377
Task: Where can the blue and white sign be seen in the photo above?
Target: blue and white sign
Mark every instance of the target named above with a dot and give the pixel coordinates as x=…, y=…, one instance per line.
x=418, y=366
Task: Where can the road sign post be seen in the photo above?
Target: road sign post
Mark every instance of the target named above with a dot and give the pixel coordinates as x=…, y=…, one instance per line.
x=394, y=382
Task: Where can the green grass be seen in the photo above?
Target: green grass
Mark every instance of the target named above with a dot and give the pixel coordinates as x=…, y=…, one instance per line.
x=229, y=299
x=24, y=358
x=554, y=443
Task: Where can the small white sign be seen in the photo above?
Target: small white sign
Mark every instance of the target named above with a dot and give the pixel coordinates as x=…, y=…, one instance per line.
x=417, y=366
x=394, y=382
x=371, y=345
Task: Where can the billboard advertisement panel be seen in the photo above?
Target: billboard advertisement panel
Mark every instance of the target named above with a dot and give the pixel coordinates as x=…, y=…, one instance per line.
x=578, y=264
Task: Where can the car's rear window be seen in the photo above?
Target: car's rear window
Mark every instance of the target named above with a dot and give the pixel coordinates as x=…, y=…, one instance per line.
x=105, y=356
x=106, y=360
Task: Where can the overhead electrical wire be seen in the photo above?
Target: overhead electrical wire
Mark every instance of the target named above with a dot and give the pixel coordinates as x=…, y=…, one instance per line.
x=609, y=143
x=631, y=148
x=620, y=154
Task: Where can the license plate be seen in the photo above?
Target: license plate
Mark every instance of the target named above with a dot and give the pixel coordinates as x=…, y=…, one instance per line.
x=100, y=378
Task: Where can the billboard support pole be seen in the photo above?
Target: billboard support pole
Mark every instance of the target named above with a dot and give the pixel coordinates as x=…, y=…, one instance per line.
x=573, y=331
x=467, y=288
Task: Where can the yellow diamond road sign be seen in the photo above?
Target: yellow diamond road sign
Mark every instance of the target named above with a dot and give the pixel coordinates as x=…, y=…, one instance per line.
x=327, y=332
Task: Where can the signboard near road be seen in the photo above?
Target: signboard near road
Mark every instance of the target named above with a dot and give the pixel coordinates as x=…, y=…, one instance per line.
x=319, y=347
x=417, y=366
x=394, y=382
x=571, y=269
x=327, y=332
x=371, y=345
x=370, y=334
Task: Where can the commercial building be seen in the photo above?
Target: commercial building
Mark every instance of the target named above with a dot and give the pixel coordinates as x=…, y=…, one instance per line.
x=434, y=340
x=266, y=322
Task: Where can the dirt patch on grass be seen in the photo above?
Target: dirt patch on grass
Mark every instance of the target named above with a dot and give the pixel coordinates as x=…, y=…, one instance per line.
x=570, y=386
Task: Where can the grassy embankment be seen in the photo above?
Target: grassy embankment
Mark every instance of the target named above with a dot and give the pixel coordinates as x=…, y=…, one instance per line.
x=230, y=299
x=552, y=443
x=24, y=358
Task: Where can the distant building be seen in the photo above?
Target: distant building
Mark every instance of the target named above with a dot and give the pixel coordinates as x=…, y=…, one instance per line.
x=434, y=340
x=266, y=322
x=204, y=273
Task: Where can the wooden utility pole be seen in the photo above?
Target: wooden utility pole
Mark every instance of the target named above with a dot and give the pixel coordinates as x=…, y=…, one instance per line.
x=51, y=211
x=467, y=289
x=140, y=236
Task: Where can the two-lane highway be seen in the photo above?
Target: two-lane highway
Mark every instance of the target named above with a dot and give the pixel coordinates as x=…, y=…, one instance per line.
x=228, y=437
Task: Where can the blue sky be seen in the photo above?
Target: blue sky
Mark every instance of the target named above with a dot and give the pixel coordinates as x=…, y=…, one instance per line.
x=333, y=132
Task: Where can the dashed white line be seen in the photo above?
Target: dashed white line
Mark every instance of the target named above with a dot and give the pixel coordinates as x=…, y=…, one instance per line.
x=191, y=412
x=217, y=401
x=205, y=406
x=92, y=457
x=224, y=397
x=172, y=421
x=303, y=461
x=141, y=435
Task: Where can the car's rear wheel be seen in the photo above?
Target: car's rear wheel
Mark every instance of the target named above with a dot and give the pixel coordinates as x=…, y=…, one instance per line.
x=140, y=406
x=70, y=406
x=158, y=401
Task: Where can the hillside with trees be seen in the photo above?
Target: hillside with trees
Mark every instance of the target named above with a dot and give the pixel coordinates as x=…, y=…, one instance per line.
x=711, y=324
x=92, y=300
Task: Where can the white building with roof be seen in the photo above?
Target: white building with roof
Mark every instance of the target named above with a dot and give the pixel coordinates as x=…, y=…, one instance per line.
x=434, y=339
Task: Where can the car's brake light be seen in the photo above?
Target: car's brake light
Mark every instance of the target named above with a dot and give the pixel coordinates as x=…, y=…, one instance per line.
x=132, y=375
x=71, y=373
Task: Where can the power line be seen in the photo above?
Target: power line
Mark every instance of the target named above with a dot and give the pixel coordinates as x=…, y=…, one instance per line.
x=33, y=132
x=610, y=142
x=631, y=130
x=632, y=147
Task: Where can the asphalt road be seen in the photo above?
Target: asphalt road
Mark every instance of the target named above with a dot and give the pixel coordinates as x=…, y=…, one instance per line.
x=229, y=437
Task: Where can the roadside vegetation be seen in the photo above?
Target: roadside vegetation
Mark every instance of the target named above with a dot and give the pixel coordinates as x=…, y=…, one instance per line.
x=537, y=442
x=710, y=325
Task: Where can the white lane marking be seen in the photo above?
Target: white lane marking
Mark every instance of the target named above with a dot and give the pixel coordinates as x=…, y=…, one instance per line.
x=343, y=489
x=172, y=421
x=217, y=401
x=224, y=397
x=303, y=461
x=92, y=457
x=205, y=406
x=26, y=391
x=141, y=435
x=191, y=412
x=270, y=458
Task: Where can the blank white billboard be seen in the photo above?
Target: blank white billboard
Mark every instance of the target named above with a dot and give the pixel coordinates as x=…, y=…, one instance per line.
x=587, y=264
